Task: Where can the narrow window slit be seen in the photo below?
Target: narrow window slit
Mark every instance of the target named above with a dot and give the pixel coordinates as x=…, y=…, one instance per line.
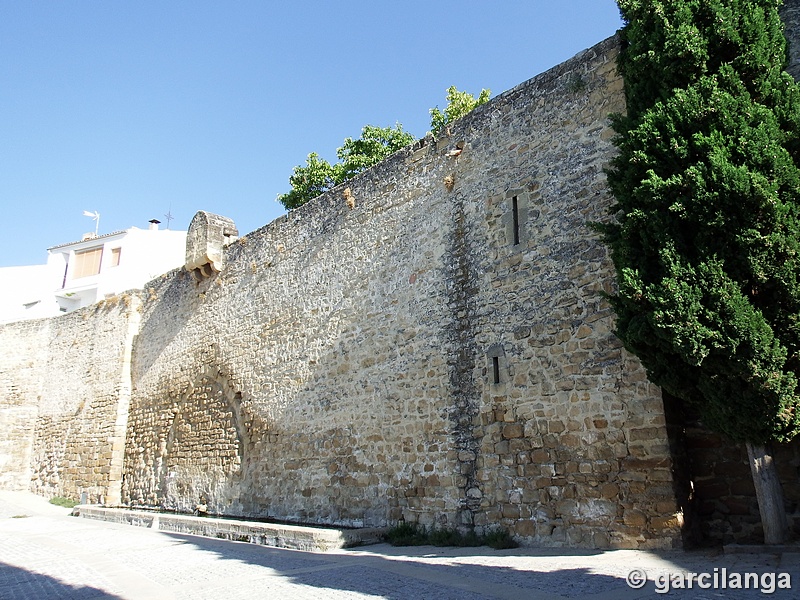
x=496, y=369
x=515, y=216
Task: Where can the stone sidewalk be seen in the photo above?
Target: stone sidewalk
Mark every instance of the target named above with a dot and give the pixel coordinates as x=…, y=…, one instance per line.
x=44, y=553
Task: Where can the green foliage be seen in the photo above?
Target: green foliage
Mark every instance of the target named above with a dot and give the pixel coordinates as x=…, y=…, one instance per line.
x=672, y=43
x=374, y=145
x=707, y=237
x=407, y=534
x=499, y=539
x=458, y=105
x=319, y=176
x=576, y=83
x=411, y=534
x=65, y=502
x=315, y=178
x=453, y=537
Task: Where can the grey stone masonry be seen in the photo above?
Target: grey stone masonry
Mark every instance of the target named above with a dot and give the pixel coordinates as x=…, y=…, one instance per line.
x=427, y=343
x=206, y=239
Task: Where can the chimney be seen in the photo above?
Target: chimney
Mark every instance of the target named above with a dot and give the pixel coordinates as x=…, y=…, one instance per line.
x=154, y=224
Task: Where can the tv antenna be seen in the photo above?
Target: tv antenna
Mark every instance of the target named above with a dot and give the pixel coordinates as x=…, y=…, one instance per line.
x=169, y=216
x=95, y=217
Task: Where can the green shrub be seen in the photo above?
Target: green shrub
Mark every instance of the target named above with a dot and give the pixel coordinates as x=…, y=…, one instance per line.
x=411, y=534
x=500, y=539
x=706, y=231
x=453, y=537
x=407, y=534
x=65, y=502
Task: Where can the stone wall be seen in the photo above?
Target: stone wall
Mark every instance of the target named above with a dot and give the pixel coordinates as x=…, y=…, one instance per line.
x=320, y=348
x=427, y=342
x=790, y=15
x=64, y=400
x=723, y=496
x=571, y=441
x=24, y=347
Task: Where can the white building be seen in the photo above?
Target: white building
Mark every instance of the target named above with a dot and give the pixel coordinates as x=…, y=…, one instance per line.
x=81, y=273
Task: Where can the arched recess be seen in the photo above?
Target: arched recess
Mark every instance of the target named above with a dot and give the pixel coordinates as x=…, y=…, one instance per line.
x=190, y=449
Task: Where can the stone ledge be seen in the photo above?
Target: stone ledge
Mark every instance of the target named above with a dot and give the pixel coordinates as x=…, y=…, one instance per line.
x=296, y=537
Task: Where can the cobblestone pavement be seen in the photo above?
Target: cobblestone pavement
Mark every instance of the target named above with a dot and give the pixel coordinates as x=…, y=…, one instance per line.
x=46, y=554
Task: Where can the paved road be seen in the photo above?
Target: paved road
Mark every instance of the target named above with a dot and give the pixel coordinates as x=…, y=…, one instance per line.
x=46, y=554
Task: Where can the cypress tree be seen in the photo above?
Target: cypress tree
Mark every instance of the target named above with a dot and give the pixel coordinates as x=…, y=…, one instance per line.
x=706, y=240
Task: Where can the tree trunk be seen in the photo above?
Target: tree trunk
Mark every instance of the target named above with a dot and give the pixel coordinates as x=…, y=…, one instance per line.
x=769, y=494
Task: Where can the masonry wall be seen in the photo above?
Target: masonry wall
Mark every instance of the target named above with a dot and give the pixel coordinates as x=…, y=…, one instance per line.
x=571, y=444
x=342, y=368
x=427, y=343
x=320, y=354
x=724, y=498
x=24, y=352
x=63, y=402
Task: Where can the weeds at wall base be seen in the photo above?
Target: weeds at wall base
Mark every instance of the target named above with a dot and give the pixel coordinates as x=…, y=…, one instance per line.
x=408, y=534
x=65, y=502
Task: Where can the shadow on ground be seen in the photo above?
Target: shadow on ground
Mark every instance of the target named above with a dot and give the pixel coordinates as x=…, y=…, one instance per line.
x=21, y=584
x=406, y=577
x=546, y=574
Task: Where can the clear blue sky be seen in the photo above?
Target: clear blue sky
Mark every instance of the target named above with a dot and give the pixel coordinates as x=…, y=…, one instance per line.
x=134, y=109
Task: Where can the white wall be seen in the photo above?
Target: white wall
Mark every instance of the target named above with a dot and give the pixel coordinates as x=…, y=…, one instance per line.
x=48, y=290
x=145, y=254
x=26, y=293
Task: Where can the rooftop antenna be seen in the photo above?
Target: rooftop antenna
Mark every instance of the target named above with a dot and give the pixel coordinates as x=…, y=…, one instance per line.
x=95, y=217
x=169, y=216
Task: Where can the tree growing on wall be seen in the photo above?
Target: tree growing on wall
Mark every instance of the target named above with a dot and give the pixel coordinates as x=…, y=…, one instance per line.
x=375, y=144
x=458, y=105
x=355, y=156
x=309, y=181
x=706, y=242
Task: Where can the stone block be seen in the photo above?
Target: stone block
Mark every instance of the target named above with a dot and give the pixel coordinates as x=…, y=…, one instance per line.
x=670, y=522
x=513, y=430
x=570, y=440
x=524, y=528
x=739, y=505
x=205, y=242
x=634, y=518
x=601, y=540
x=742, y=487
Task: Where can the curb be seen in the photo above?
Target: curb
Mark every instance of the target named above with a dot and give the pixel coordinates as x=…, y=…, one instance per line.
x=296, y=537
